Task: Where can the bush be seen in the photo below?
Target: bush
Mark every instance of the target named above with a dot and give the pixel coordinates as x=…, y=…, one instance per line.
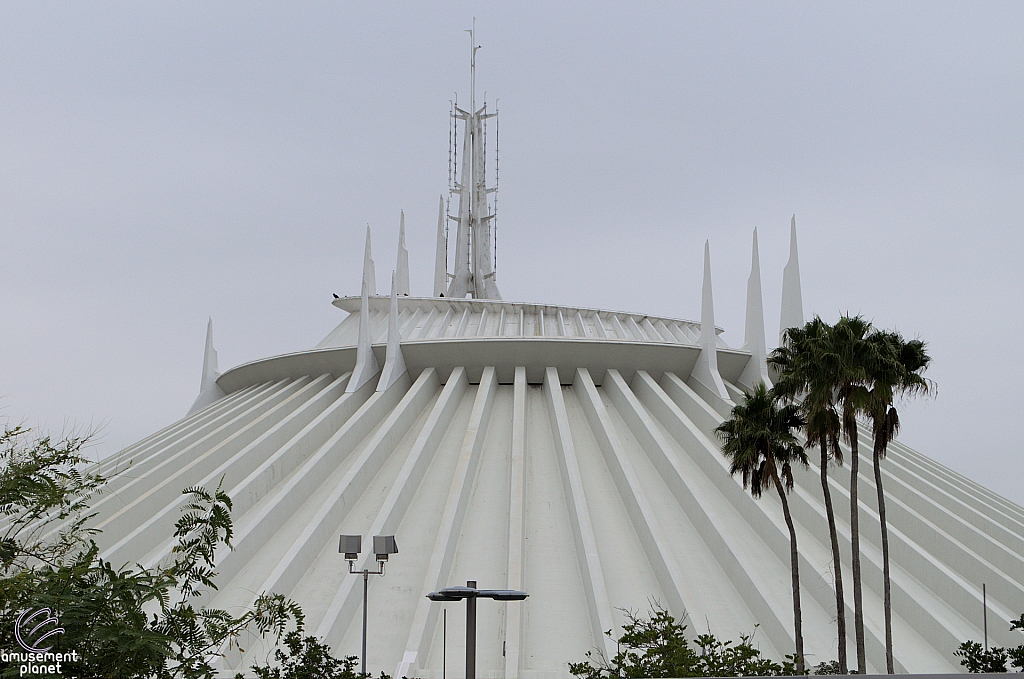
x=977, y=660
x=123, y=622
x=657, y=647
x=308, y=658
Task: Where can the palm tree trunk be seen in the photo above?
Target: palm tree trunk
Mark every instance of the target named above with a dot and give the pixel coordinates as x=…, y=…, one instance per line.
x=858, y=592
x=794, y=559
x=886, y=604
x=836, y=564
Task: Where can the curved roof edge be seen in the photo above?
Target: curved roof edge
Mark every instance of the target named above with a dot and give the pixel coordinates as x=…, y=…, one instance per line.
x=441, y=318
x=504, y=353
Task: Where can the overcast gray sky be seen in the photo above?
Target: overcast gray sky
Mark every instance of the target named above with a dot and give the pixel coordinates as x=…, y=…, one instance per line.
x=162, y=163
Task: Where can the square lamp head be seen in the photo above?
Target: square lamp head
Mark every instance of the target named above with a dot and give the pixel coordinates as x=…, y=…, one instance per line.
x=350, y=546
x=384, y=545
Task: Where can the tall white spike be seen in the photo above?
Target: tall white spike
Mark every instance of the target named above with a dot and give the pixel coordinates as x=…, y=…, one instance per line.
x=474, y=263
x=753, y=335
x=792, y=301
x=209, y=390
x=369, y=274
x=706, y=369
x=402, y=269
x=366, y=362
x=394, y=364
x=441, y=255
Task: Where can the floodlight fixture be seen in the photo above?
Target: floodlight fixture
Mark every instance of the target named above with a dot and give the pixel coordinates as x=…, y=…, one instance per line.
x=350, y=546
x=383, y=545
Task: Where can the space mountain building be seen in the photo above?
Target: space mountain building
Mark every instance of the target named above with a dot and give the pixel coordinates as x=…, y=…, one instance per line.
x=568, y=452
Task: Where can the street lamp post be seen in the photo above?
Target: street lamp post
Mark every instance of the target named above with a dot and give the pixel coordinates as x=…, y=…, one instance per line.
x=350, y=546
x=470, y=593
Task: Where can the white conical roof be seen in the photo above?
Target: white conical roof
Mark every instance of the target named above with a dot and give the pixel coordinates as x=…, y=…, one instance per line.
x=564, y=451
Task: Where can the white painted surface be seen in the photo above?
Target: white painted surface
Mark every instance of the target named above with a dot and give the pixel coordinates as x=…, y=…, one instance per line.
x=366, y=362
x=756, y=369
x=394, y=363
x=568, y=452
x=792, y=315
x=706, y=372
x=209, y=390
x=590, y=496
x=402, y=263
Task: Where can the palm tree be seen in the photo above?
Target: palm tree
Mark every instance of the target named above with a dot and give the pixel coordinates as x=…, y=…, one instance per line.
x=898, y=373
x=759, y=441
x=846, y=360
x=801, y=377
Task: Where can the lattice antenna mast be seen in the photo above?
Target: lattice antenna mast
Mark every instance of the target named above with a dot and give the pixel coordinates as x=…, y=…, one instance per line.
x=472, y=66
x=474, y=265
x=494, y=220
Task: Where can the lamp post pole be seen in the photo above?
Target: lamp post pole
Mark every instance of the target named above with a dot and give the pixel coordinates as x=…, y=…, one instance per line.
x=471, y=632
x=350, y=546
x=366, y=582
x=366, y=573
x=470, y=593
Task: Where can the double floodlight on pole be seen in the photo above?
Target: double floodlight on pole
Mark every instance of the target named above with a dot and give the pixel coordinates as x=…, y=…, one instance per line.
x=350, y=546
x=470, y=593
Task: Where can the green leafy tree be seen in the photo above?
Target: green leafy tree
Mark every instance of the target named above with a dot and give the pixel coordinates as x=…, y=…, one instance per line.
x=42, y=487
x=803, y=379
x=761, y=446
x=896, y=373
x=309, y=658
x=657, y=646
x=122, y=622
x=829, y=667
x=979, y=660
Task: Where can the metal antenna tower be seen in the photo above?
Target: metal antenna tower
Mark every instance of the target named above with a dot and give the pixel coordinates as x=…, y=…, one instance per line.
x=474, y=265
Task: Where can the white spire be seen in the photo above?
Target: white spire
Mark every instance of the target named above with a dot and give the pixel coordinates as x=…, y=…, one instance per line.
x=792, y=302
x=369, y=275
x=474, y=263
x=753, y=336
x=394, y=364
x=209, y=357
x=209, y=390
x=366, y=362
x=402, y=269
x=706, y=369
x=441, y=255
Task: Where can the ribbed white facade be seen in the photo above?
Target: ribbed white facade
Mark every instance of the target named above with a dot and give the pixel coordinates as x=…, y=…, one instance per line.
x=567, y=452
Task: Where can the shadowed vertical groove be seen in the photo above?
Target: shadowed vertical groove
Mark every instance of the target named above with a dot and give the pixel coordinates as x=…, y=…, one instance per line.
x=305, y=547
x=403, y=488
x=579, y=515
x=255, y=530
x=516, y=525
x=746, y=576
x=442, y=554
x=238, y=465
x=653, y=538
